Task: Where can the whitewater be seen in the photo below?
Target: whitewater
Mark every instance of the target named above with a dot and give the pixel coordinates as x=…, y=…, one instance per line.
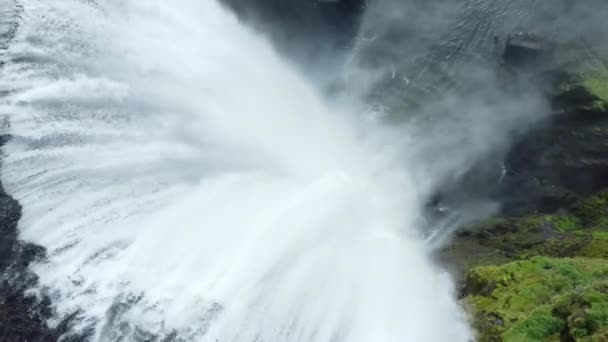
x=189, y=184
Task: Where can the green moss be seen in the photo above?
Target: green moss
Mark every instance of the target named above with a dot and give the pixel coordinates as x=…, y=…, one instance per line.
x=565, y=223
x=593, y=211
x=540, y=277
x=585, y=311
x=498, y=241
x=539, y=299
x=537, y=327
x=596, y=81
x=581, y=233
x=601, y=235
x=598, y=246
x=585, y=84
x=515, y=238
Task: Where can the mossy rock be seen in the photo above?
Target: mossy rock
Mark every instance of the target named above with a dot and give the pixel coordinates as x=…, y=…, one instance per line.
x=598, y=247
x=498, y=241
x=543, y=275
x=581, y=232
x=540, y=299
x=593, y=211
x=540, y=277
x=582, y=81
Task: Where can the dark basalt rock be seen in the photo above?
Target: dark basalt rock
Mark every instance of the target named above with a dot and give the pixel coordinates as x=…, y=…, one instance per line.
x=565, y=157
x=23, y=316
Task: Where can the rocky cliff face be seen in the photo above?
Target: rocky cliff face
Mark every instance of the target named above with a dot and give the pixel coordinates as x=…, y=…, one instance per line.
x=538, y=271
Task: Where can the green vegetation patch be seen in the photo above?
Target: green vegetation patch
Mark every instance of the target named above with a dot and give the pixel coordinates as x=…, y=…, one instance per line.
x=564, y=223
x=584, y=84
x=593, y=211
x=540, y=299
x=544, y=277
x=498, y=241
x=583, y=232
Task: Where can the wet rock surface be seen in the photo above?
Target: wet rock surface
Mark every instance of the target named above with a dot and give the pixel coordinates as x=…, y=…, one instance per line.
x=567, y=156
x=23, y=316
x=563, y=157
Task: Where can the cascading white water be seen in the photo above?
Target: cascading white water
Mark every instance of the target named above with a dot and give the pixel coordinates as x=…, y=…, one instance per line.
x=184, y=178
